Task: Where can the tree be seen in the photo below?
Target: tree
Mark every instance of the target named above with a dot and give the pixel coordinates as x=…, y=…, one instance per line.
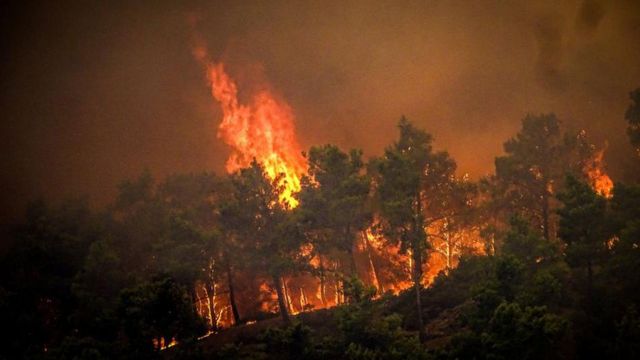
x=535, y=165
x=450, y=221
x=526, y=245
x=624, y=263
x=266, y=229
x=333, y=201
x=197, y=232
x=170, y=228
x=523, y=333
x=37, y=273
x=412, y=182
x=582, y=227
x=155, y=310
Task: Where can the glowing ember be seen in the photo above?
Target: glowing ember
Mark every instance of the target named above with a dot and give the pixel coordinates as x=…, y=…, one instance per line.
x=598, y=178
x=263, y=129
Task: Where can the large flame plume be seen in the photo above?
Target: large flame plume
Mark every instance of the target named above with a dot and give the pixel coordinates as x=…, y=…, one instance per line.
x=263, y=129
x=600, y=181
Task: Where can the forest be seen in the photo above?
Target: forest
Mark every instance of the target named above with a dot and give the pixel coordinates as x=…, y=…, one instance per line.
x=394, y=257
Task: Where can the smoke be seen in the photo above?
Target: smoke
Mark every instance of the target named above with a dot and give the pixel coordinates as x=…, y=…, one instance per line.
x=93, y=94
x=554, y=39
x=589, y=17
x=549, y=35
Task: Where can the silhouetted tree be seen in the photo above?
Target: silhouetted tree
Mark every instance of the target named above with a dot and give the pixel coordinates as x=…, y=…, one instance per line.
x=412, y=182
x=157, y=310
x=534, y=167
x=583, y=227
x=333, y=201
x=266, y=229
x=37, y=273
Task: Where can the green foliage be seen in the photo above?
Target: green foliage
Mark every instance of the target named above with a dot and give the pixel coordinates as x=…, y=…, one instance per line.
x=356, y=290
x=529, y=333
x=453, y=289
x=525, y=244
x=154, y=310
x=365, y=332
x=268, y=233
x=413, y=185
x=504, y=282
x=135, y=192
x=292, y=342
x=400, y=184
x=581, y=225
x=583, y=228
x=623, y=264
x=82, y=284
x=333, y=200
x=536, y=162
x=512, y=332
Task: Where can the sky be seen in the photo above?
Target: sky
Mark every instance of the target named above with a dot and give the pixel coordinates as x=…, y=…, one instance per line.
x=92, y=93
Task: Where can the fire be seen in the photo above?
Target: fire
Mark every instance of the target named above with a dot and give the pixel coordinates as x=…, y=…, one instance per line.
x=262, y=130
x=598, y=178
x=393, y=270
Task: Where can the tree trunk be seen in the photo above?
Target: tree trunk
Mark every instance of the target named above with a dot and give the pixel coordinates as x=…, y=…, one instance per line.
x=449, y=249
x=417, y=264
x=352, y=261
x=417, y=284
x=287, y=296
x=277, y=282
x=211, y=301
x=210, y=292
x=195, y=299
x=232, y=297
x=589, y=283
x=376, y=279
x=545, y=214
x=209, y=308
x=323, y=295
x=352, y=264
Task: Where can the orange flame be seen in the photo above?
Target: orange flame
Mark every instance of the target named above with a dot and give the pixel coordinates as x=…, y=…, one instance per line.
x=263, y=130
x=598, y=178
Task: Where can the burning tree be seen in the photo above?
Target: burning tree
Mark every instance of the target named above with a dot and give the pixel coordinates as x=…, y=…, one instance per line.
x=265, y=228
x=333, y=201
x=453, y=227
x=534, y=168
x=412, y=180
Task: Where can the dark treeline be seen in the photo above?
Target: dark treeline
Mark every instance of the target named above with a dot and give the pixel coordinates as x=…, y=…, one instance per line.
x=553, y=272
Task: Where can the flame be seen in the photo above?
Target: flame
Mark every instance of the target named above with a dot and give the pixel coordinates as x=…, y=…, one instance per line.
x=262, y=130
x=394, y=271
x=162, y=344
x=598, y=178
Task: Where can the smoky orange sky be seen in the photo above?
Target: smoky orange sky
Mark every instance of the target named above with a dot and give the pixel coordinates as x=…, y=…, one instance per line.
x=94, y=92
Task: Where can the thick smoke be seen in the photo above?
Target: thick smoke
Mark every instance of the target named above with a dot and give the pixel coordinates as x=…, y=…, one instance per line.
x=549, y=36
x=589, y=17
x=94, y=93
